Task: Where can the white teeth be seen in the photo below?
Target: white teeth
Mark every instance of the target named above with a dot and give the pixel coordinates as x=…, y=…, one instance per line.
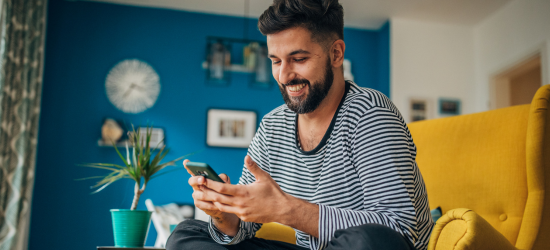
x=296, y=88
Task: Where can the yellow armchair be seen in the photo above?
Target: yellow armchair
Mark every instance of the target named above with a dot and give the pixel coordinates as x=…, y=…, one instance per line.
x=495, y=165
x=487, y=172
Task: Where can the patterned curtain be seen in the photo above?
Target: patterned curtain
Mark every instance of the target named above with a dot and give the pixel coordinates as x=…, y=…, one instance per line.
x=22, y=30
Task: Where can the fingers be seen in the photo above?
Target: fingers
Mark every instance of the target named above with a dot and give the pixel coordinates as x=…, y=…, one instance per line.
x=213, y=196
x=208, y=195
x=226, y=208
x=223, y=188
x=243, y=214
x=225, y=178
x=196, y=182
x=205, y=205
x=253, y=168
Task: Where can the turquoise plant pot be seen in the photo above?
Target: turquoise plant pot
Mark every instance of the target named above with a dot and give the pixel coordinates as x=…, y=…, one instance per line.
x=130, y=227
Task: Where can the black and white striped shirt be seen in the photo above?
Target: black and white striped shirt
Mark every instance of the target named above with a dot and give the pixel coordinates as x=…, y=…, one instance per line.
x=363, y=171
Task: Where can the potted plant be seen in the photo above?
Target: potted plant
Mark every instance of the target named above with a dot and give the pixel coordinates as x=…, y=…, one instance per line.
x=141, y=164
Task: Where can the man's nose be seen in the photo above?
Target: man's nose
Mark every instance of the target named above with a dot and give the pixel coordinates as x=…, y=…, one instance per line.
x=286, y=73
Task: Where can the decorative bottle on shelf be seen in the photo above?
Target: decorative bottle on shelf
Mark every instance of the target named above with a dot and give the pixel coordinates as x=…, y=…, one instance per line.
x=216, y=63
x=250, y=53
x=262, y=67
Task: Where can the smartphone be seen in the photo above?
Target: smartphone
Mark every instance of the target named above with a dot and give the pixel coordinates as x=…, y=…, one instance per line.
x=203, y=169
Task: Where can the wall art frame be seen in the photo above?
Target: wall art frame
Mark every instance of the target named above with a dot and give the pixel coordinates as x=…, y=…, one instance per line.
x=420, y=109
x=230, y=128
x=449, y=106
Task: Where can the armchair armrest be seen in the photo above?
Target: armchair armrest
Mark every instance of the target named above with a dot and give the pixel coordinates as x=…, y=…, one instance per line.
x=276, y=231
x=464, y=229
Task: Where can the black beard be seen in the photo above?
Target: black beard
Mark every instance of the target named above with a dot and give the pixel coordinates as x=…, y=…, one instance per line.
x=317, y=92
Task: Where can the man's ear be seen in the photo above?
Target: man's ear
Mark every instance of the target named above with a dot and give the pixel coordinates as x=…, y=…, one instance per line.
x=337, y=53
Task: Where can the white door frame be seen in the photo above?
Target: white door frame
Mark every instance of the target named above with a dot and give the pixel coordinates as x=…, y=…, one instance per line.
x=543, y=49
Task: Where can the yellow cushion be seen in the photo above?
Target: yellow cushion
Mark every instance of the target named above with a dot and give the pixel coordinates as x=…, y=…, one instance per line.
x=276, y=231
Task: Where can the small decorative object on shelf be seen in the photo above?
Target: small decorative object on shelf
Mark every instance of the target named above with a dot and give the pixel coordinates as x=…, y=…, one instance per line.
x=262, y=72
x=250, y=52
x=141, y=164
x=230, y=128
x=218, y=62
x=111, y=131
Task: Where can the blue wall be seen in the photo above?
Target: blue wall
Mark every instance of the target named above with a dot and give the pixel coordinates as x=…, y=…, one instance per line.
x=84, y=40
x=383, y=60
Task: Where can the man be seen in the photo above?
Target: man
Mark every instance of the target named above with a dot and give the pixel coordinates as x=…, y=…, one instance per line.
x=336, y=162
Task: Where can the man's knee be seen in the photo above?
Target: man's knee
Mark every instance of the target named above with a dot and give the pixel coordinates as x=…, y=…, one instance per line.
x=191, y=224
x=369, y=236
x=188, y=232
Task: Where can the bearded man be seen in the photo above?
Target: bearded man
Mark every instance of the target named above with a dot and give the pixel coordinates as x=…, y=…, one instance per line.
x=336, y=162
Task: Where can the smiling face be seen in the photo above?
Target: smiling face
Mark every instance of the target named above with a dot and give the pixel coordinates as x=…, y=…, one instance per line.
x=302, y=68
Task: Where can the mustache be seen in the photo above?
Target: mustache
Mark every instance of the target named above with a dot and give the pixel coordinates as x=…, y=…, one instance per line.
x=295, y=82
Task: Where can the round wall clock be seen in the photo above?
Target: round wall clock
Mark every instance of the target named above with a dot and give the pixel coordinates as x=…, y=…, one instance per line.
x=132, y=86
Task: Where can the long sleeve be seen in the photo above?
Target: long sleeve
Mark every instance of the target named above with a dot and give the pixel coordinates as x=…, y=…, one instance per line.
x=257, y=151
x=382, y=153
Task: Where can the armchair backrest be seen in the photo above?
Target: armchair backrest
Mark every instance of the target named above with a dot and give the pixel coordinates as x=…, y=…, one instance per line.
x=495, y=163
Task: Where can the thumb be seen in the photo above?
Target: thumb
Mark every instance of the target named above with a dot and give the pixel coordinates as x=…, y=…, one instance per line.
x=253, y=168
x=225, y=178
x=185, y=165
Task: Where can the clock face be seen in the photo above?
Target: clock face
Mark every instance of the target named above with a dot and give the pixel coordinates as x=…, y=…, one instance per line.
x=132, y=86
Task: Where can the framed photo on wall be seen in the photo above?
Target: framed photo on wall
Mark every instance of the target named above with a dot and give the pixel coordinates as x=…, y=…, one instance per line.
x=420, y=108
x=230, y=128
x=449, y=106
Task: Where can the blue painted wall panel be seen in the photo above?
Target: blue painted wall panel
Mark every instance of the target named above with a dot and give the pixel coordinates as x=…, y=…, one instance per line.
x=84, y=41
x=383, y=59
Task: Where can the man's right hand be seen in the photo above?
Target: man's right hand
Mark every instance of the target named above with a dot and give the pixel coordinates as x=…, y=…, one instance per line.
x=197, y=182
x=224, y=221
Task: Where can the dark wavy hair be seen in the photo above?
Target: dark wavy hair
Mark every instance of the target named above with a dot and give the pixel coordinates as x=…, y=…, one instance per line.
x=323, y=18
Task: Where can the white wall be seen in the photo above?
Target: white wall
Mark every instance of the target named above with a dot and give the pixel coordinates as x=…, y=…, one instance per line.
x=514, y=32
x=431, y=60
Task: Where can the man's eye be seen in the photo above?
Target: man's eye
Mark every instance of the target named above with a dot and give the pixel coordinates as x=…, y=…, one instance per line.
x=299, y=59
x=276, y=62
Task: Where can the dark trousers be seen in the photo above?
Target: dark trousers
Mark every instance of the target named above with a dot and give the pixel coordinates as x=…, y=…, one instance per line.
x=193, y=234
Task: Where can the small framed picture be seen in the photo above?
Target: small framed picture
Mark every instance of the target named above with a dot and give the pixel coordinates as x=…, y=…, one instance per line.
x=230, y=128
x=448, y=106
x=419, y=110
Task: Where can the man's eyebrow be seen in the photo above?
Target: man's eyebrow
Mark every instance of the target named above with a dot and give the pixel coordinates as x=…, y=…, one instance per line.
x=300, y=51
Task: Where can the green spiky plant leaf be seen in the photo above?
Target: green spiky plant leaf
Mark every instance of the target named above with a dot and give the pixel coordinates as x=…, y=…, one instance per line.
x=141, y=164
